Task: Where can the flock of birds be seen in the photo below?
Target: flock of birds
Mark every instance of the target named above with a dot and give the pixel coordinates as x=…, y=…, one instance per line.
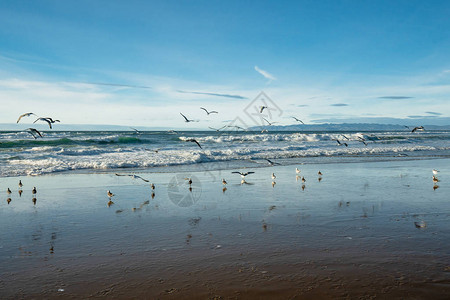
x=20, y=192
x=33, y=131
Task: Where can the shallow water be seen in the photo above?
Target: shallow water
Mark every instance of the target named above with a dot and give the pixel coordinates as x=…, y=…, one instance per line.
x=359, y=219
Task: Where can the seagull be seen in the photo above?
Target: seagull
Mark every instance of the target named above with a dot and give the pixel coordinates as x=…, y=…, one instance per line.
x=418, y=128
x=270, y=124
x=33, y=131
x=272, y=163
x=25, y=115
x=194, y=141
x=20, y=193
x=186, y=119
x=298, y=120
x=217, y=129
x=297, y=171
x=224, y=182
x=189, y=181
x=209, y=112
x=261, y=108
x=152, y=186
x=319, y=173
x=340, y=144
x=110, y=195
x=34, y=191
x=8, y=191
x=134, y=176
x=362, y=141
x=242, y=174
x=137, y=131
x=273, y=176
x=273, y=183
x=20, y=184
x=435, y=179
x=54, y=121
x=45, y=120
x=303, y=179
x=435, y=172
x=345, y=137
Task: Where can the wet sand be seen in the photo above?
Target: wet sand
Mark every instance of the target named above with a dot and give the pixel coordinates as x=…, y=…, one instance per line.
x=350, y=235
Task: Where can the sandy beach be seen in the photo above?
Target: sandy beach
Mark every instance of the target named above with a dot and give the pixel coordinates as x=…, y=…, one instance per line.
x=353, y=234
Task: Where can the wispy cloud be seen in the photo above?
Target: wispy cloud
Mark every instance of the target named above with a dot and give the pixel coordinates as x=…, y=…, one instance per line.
x=433, y=113
x=118, y=85
x=339, y=104
x=395, y=97
x=212, y=94
x=266, y=74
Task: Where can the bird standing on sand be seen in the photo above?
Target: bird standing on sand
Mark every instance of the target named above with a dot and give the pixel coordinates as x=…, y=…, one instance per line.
x=224, y=182
x=435, y=179
x=20, y=184
x=303, y=179
x=319, y=173
x=34, y=191
x=189, y=180
x=110, y=195
x=8, y=191
x=152, y=186
x=297, y=171
x=435, y=172
x=273, y=176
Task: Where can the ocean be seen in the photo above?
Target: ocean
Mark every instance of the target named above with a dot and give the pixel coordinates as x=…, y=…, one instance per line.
x=164, y=151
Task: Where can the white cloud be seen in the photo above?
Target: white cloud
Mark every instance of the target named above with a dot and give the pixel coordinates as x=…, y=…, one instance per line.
x=266, y=74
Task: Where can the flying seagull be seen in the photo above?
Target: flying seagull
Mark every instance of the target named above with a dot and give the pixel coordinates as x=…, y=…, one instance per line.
x=172, y=131
x=418, y=128
x=261, y=108
x=45, y=120
x=272, y=163
x=186, y=119
x=33, y=131
x=194, y=141
x=345, y=137
x=217, y=129
x=25, y=115
x=209, y=112
x=270, y=124
x=134, y=176
x=242, y=174
x=340, y=144
x=298, y=120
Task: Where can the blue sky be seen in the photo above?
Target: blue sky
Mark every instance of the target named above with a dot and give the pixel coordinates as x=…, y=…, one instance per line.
x=140, y=63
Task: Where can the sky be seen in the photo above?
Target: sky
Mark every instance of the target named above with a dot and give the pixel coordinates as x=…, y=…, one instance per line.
x=141, y=63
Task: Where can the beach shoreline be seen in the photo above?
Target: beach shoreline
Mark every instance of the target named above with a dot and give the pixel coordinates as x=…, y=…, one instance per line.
x=350, y=235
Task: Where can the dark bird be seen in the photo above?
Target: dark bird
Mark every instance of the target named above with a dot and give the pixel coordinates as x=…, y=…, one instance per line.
x=209, y=112
x=319, y=173
x=8, y=191
x=152, y=186
x=134, y=176
x=340, y=144
x=35, y=133
x=362, y=140
x=51, y=120
x=345, y=137
x=194, y=141
x=272, y=163
x=298, y=120
x=45, y=120
x=242, y=174
x=261, y=108
x=186, y=119
x=189, y=180
x=420, y=128
x=20, y=184
x=25, y=115
x=34, y=191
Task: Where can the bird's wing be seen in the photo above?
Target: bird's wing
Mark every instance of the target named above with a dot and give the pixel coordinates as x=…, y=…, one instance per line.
x=24, y=115
x=250, y=173
x=235, y=172
x=195, y=141
x=266, y=121
x=213, y=112
x=139, y=177
x=184, y=117
x=205, y=110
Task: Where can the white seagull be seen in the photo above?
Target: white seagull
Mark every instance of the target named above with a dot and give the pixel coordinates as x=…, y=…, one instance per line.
x=243, y=174
x=25, y=115
x=435, y=172
x=134, y=176
x=209, y=112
